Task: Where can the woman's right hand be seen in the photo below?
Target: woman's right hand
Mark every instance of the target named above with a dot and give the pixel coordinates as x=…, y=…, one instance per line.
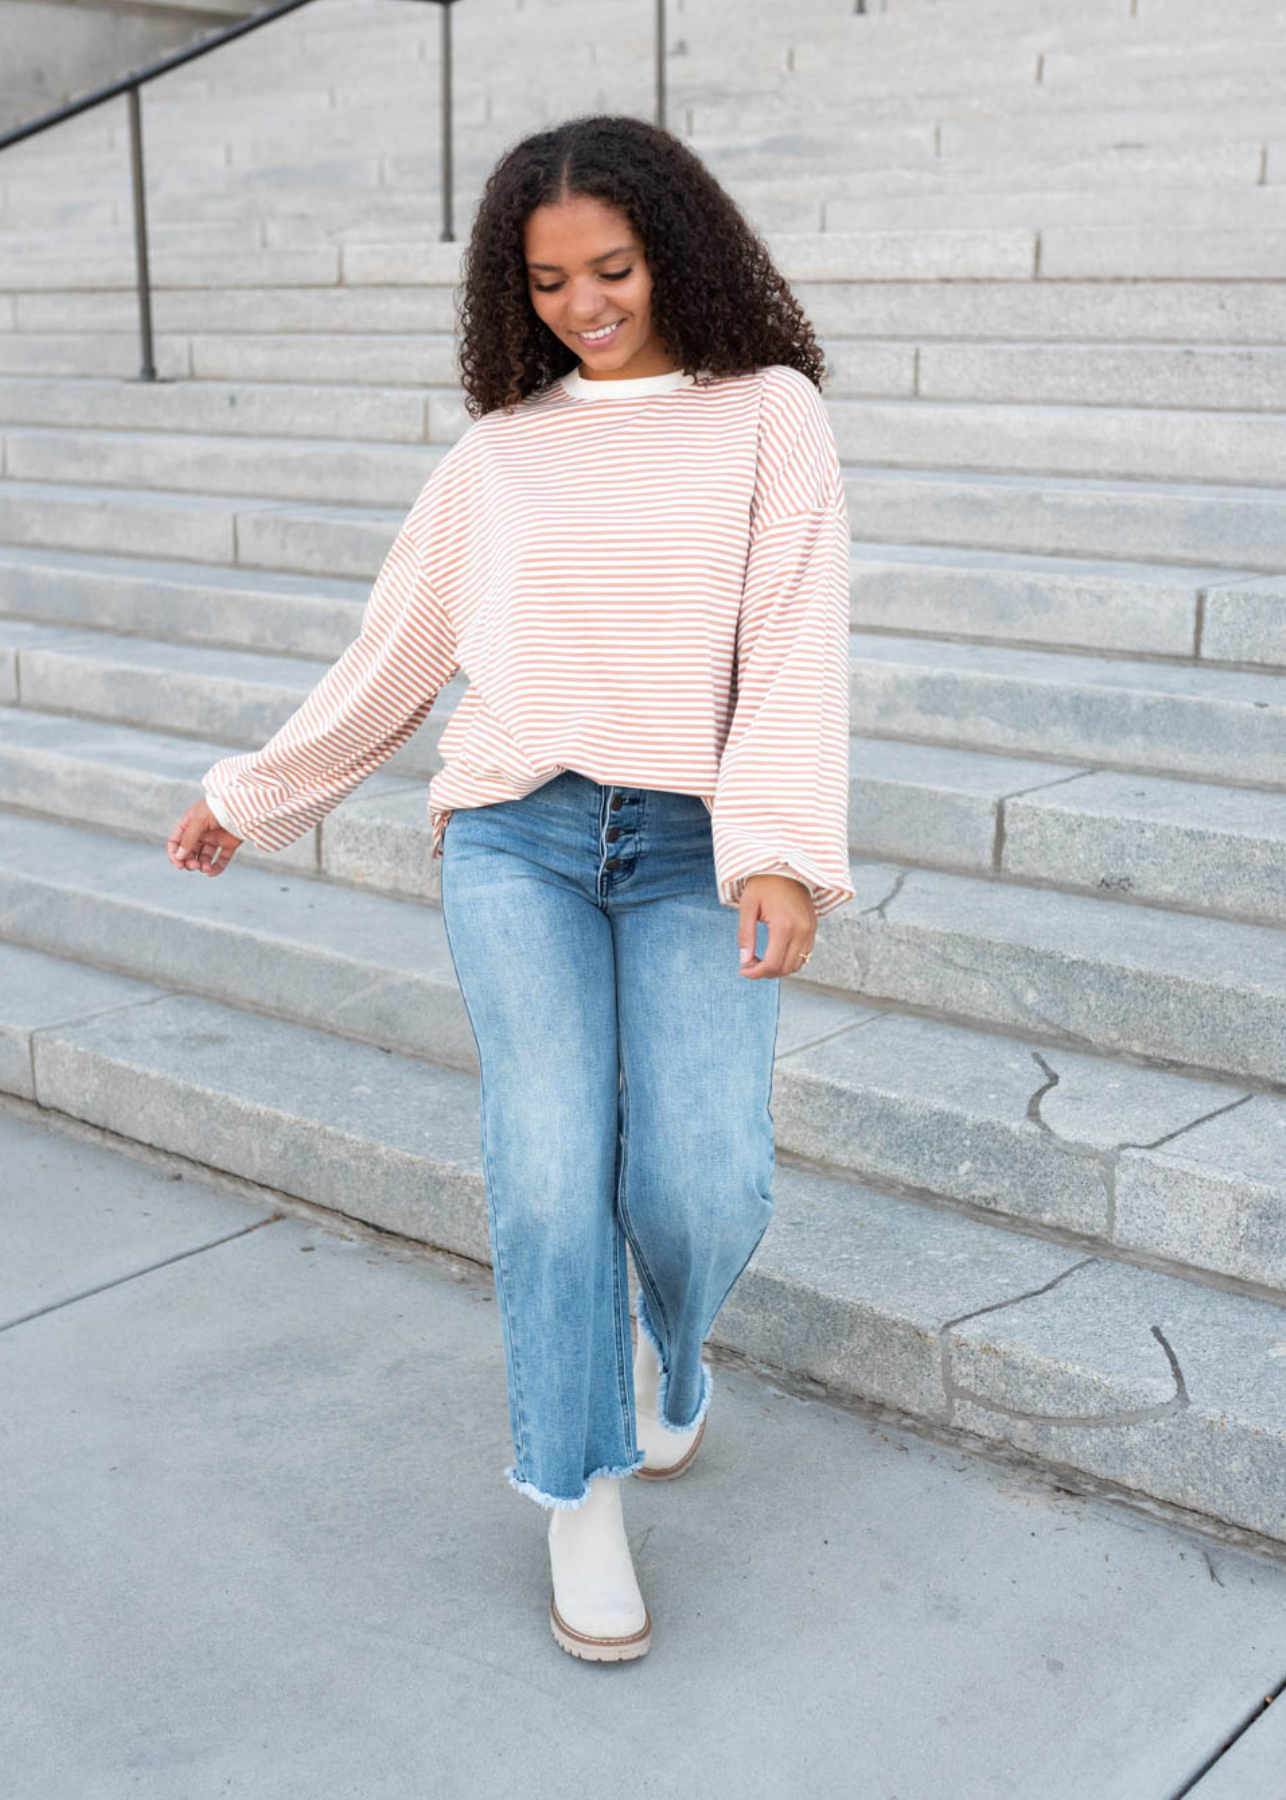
x=199, y=842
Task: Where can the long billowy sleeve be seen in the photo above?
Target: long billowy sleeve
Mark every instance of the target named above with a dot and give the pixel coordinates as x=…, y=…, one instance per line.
x=781, y=799
x=365, y=707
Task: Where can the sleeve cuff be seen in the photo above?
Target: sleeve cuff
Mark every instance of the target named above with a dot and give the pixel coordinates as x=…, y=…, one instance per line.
x=220, y=811
x=828, y=890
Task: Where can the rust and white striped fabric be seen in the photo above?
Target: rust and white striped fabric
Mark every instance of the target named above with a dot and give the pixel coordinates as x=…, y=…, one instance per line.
x=644, y=580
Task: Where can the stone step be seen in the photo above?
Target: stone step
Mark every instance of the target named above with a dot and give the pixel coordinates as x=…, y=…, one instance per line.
x=750, y=169
x=330, y=470
x=1135, y=1375
x=1166, y=842
x=52, y=378
x=377, y=414
x=1237, y=49
x=1107, y=377
x=1167, y=718
x=927, y=90
x=1187, y=208
x=231, y=697
x=139, y=783
x=1206, y=614
x=1209, y=164
x=1103, y=127
x=999, y=94
x=99, y=354
x=177, y=234
x=1056, y=513
x=195, y=433
x=759, y=93
x=203, y=527
x=1155, y=444
x=187, y=267
x=890, y=48
x=312, y=616
x=1200, y=847
x=1011, y=1134
x=1101, y=973
x=1151, y=609
x=967, y=142
x=1197, y=994
x=1222, y=526
x=1066, y=252
x=1213, y=312
x=891, y=255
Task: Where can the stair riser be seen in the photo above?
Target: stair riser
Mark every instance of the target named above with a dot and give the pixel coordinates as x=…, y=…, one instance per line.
x=178, y=441
x=1218, y=312
x=1229, y=529
x=1136, y=1200
x=287, y=469
x=1237, y=529
x=1195, y=1455
x=1147, y=1201
x=223, y=409
x=1229, y=1023
x=1169, y=733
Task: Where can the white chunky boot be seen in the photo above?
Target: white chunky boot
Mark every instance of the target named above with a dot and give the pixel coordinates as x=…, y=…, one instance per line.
x=666, y=1453
x=596, y=1610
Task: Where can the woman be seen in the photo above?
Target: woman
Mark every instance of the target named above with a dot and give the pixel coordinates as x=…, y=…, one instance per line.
x=638, y=554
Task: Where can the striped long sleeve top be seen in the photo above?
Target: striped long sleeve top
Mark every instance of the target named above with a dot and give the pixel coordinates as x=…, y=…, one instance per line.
x=644, y=580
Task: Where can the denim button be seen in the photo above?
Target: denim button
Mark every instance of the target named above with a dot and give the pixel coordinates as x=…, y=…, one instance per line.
x=613, y=862
x=616, y=801
x=613, y=834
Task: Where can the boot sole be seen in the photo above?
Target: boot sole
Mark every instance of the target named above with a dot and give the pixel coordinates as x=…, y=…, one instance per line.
x=678, y=1468
x=600, y=1649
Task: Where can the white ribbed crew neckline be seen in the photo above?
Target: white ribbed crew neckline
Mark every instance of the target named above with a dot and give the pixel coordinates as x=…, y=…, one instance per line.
x=630, y=388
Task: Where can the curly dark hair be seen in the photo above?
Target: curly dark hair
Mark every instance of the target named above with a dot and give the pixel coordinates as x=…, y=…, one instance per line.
x=718, y=303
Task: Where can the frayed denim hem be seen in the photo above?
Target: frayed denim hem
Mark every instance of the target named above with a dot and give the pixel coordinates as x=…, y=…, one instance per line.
x=663, y=1379
x=552, y=1500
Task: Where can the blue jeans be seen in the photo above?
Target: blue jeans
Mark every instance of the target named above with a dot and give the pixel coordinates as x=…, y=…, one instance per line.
x=626, y=1075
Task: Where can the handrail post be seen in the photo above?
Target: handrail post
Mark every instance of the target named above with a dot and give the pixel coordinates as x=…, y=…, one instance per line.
x=448, y=233
x=147, y=371
x=660, y=62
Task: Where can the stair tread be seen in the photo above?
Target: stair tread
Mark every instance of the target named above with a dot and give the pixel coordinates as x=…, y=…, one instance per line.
x=1207, y=956
x=909, y=1304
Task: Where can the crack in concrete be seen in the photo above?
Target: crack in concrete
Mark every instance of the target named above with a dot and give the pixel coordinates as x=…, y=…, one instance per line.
x=1168, y=1137
x=1000, y=829
x=1017, y=1299
x=1138, y=1415
x=880, y=909
x=955, y=1391
x=1103, y=1162
x=1051, y=1080
x=1180, y=1385
x=1022, y=1007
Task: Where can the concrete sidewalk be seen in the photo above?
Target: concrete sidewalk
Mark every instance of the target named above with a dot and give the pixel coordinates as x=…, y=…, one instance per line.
x=258, y=1543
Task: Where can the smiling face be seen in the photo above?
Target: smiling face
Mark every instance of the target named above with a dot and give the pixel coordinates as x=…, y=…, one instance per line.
x=585, y=270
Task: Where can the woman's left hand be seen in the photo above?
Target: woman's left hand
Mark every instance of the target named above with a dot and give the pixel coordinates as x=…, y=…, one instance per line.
x=787, y=906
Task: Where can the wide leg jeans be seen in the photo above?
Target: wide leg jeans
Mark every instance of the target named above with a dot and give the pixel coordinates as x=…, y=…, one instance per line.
x=626, y=1073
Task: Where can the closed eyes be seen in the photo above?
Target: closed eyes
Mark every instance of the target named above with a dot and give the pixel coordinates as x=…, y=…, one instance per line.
x=553, y=286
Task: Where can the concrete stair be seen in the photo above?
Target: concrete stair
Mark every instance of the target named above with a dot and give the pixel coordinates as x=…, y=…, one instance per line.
x=1031, y=1106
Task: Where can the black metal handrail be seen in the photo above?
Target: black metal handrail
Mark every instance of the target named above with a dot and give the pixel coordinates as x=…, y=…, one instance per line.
x=130, y=84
